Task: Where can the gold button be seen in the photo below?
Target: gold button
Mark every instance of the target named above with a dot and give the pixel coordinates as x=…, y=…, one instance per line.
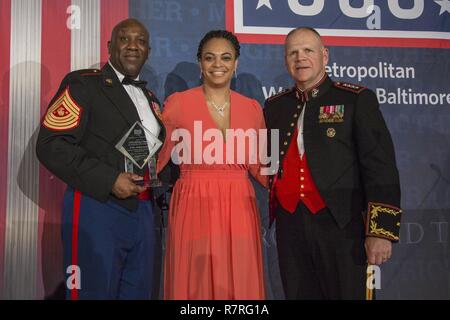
x=295, y=115
x=282, y=152
x=289, y=134
x=299, y=107
x=301, y=170
x=278, y=161
x=302, y=186
x=331, y=132
x=302, y=178
x=292, y=124
x=285, y=143
x=302, y=195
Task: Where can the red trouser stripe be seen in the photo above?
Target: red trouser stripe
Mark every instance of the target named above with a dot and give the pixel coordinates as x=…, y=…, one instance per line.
x=76, y=218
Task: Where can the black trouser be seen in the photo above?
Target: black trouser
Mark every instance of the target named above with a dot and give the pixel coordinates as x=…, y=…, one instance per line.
x=317, y=259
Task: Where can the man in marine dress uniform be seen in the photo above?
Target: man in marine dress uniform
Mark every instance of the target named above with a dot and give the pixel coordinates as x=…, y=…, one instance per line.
x=109, y=238
x=336, y=160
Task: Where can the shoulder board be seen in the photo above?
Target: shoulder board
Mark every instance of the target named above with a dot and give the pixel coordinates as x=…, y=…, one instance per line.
x=89, y=72
x=348, y=86
x=281, y=93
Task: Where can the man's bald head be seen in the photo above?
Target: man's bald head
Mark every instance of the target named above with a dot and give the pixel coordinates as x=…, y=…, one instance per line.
x=127, y=23
x=129, y=47
x=306, y=57
x=306, y=29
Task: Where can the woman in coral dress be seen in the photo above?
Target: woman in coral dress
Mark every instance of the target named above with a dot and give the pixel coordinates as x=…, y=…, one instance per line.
x=213, y=246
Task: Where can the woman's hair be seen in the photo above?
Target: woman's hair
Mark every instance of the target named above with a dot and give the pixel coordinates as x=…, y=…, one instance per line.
x=221, y=34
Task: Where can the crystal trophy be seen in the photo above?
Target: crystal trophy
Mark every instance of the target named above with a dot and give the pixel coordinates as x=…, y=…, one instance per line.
x=139, y=147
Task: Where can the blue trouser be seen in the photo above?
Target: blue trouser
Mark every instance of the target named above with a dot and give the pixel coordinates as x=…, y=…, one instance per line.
x=114, y=248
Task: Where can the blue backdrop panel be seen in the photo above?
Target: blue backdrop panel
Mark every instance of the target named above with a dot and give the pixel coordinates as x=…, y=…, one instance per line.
x=412, y=86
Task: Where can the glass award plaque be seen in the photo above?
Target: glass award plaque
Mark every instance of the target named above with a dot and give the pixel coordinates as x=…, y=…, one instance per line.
x=139, y=147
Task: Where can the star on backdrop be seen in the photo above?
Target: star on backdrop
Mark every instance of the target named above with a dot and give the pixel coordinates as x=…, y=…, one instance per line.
x=445, y=5
x=264, y=3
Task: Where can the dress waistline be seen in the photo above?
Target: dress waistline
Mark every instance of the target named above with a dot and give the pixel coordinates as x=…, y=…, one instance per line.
x=214, y=174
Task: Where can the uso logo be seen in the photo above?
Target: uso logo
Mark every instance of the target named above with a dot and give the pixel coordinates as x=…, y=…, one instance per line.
x=381, y=23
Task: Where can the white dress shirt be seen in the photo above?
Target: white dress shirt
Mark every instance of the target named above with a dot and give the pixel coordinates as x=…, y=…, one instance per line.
x=300, y=144
x=142, y=105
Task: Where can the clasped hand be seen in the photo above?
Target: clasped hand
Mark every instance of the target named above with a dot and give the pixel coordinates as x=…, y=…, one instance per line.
x=125, y=186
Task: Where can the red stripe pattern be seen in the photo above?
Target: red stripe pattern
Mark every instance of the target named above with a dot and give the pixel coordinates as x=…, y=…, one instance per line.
x=55, y=64
x=5, y=26
x=111, y=13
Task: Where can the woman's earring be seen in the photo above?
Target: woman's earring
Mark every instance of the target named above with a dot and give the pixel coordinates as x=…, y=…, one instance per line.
x=201, y=73
x=235, y=74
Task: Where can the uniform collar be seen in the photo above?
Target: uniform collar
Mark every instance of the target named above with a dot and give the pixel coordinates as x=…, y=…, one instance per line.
x=118, y=73
x=315, y=91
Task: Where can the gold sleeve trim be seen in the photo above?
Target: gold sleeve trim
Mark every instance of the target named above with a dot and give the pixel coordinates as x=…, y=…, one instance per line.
x=379, y=212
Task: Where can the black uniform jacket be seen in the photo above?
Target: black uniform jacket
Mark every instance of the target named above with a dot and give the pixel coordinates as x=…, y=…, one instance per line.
x=88, y=116
x=349, y=151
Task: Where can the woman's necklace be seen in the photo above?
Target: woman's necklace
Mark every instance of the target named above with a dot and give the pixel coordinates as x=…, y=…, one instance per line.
x=220, y=109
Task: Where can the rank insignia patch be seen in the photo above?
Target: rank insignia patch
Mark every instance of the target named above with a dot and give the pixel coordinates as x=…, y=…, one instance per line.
x=331, y=114
x=63, y=114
